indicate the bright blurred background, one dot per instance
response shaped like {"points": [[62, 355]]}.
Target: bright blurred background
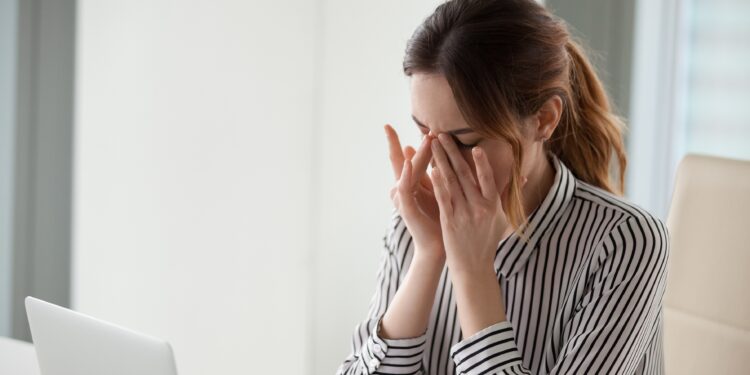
{"points": [[215, 172]]}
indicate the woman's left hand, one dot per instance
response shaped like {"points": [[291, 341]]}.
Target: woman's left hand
{"points": [[471, 214]]}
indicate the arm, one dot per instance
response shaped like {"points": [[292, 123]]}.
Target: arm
{"points": [[392, 337], [409, 312], [613, 321]]}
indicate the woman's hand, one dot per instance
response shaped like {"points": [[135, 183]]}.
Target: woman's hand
{"points": [[413, 195], [472, 218]]}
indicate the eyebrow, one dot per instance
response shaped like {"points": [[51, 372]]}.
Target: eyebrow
{"points": [[453, 132]]}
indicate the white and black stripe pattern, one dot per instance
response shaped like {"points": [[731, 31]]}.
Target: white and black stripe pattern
{"points": [[582, 296]]}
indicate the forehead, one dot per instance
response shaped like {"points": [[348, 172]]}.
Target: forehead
{"points": [[433, 104]]}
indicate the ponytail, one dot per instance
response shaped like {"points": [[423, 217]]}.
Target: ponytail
{"points": [[589, 133]]}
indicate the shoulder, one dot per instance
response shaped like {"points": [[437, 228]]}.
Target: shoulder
{"points": [[627, 211], [636, 232], [633, 252]]}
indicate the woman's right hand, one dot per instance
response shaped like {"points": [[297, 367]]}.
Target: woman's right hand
{"points": [[413, 196]]}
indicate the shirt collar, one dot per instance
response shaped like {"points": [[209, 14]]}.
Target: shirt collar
{"points": [[513, 252]]}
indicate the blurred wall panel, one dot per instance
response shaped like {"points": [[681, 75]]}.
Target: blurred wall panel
{"points": [[8, 23], [37, 45]]}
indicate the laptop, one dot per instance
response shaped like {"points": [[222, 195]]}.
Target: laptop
{"points": [[71, 343]]}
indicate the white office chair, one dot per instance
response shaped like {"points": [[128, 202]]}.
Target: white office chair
{"points": [[707, 301], [17, 358]]}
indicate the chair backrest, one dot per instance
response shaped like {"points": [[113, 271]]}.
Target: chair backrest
{"points": [[17, 357], [707, 302]]}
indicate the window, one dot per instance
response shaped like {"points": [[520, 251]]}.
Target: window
{"points": [[718, 79]]}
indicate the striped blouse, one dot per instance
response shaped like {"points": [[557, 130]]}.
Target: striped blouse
{"points": [[582, 296]]}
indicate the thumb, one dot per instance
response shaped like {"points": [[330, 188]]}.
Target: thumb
{"points": [[406, 195]]}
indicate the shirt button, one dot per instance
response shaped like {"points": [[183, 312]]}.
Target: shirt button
{"points": [[377, 348], [374, 363]]}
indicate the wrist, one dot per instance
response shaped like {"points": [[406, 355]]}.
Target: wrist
{"points": [[471, 273], [479, 299], [474, 276], [429, 255]]}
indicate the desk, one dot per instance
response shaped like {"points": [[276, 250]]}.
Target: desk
{"points": [[17, 357]]}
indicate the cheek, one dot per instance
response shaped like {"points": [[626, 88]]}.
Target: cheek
{"points": [[501, 162], [467, 155]]}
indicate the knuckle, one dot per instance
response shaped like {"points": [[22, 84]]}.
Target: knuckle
{"points": [[451, 179], [464, 172]]}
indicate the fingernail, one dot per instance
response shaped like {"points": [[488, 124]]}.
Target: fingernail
{"points": [[477, 151]]}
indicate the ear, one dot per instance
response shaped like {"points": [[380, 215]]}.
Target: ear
{"points": [[548, 117]]}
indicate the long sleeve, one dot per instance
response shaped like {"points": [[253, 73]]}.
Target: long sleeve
{"points": [[370, 353], [612, 322]]}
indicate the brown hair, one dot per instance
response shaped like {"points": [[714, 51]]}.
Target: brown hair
{"points": [[503, 60]]}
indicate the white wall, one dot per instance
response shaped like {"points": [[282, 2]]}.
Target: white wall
{"points": [[192, 173], [232, 173], [363, 88]]}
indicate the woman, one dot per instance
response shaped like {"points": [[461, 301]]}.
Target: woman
{"points": [[515, 255]]}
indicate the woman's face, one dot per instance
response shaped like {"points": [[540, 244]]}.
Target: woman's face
{"points": [[434, 109]]}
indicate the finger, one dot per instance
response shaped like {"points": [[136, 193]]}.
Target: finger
{"points": [[422, 158], [484, 174], [405, 190], [421, 172], [451, 184], [409, 152], [441, 194], [461, 168], [395, 153], [424, 179]]}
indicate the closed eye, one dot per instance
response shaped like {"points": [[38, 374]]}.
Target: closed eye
{"points": [[455, 139], [463, 145]]}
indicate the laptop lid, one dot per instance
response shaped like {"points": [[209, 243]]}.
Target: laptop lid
{"points": [[68, 343]]}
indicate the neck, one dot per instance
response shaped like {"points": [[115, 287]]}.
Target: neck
{"points": [[541, 178]]}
